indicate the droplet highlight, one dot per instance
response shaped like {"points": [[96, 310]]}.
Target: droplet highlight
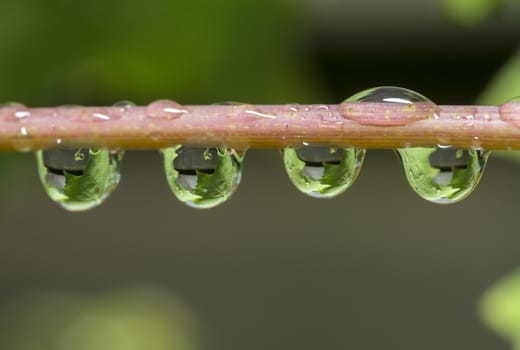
{"points": [[322, 172], [202, 177], [443, 175], [79, 179]]}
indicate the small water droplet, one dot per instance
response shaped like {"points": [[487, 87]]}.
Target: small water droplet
{"points": [[400, 106], [165, 109], [22, 141], [202, 177], [124, 105], [13, 111], [443, 175], [79, 178], [389, 94], [322, 172]]}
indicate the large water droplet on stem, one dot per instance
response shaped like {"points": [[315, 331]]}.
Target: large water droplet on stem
{"points": [[443, 175], [392, 106], [322, 172], [388, 94], [202, 177], [79, 178]]}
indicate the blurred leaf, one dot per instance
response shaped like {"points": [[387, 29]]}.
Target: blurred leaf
{"points": [[500, 307], [191, 51], [470, 12], [129, 319], [505, 85]]}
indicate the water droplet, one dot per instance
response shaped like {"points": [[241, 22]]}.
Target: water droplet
{"points": [[322, 172], [124, 105], [443, 175], [389, 94], [399, 106], [202, 177], [510, 111], [165, 109], [13, 111], [22, 142], [79, 178]]}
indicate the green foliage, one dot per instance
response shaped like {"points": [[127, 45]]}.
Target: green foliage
{"points": [[505, 85], [132, 319], [192, 51], [500, 307], [470, 12]]}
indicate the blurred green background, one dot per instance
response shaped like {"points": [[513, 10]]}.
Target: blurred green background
{"points": [[376, 267]]}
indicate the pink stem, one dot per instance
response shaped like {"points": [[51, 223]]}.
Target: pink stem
{"points": [[165, 123]]}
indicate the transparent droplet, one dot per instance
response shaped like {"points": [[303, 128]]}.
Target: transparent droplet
{"points": [[510, 111], [389, 94], [202, 177], [79, 178], [443, 175], [401, 107], [14, 111], [124, 105], [322, 172], [165, 109]]}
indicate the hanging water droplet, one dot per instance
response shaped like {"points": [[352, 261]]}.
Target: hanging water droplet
{"points": [[79, 178], [322, 172], [443, 175], [202, 177]]}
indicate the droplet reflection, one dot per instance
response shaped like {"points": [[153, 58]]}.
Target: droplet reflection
{"points": [[202, 177], [443, 176], [79, 179], [322, 172]]}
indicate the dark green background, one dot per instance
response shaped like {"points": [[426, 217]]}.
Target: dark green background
{"points": [[376, 267]]}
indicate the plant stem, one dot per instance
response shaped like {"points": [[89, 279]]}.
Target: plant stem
{"points": [[165, 123]]}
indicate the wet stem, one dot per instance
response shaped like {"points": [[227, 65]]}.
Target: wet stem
{"points": [[350, 124]]}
